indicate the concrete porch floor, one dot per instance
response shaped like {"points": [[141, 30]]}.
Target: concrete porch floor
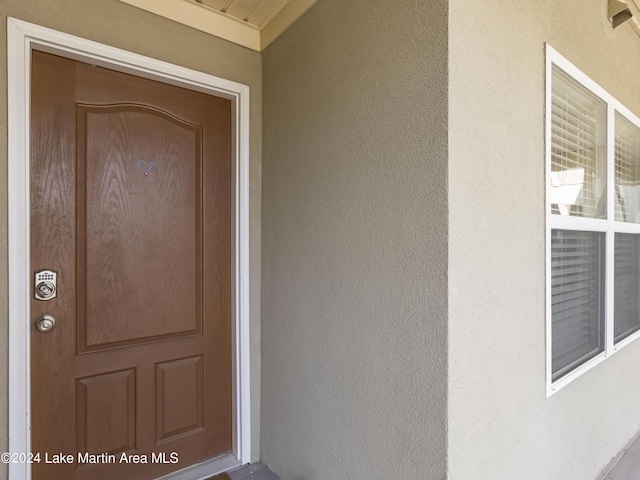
{"points": [[625, 465], [255, 471]]}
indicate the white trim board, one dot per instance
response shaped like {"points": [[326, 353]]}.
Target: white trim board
{"points": [[22, 37]]}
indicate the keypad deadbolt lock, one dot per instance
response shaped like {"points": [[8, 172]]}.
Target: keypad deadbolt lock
{"points": [[45, 285]]}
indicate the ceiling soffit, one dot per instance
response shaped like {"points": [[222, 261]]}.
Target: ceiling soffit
{"points": [[251, 23], [255, 13]]}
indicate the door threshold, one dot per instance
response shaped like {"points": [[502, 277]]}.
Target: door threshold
{"points": [[204, 470]]}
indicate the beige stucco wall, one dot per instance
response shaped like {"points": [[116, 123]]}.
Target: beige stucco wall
{"points": [[114, 23], [354, 251], [501, 426]]}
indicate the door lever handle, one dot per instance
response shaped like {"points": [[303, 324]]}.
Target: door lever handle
{"points": [[46, 323]]}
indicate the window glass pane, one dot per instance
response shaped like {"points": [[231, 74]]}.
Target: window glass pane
{"points": [[578, 149], [627, 263], [627, 179], [577, 292]]}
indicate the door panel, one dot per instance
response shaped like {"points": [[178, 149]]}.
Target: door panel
{"points": [[130, 194], [107, 400], [138, 209], [178, 397]]}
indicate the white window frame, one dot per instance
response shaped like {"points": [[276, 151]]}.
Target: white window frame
{"points": [[608, 226]]}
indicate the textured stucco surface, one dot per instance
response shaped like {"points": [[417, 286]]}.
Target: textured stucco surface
{"points": [[114, 23], [354, 243], [501, 426]]}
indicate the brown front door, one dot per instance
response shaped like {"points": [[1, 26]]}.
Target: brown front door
{"points": [[131, 208]]}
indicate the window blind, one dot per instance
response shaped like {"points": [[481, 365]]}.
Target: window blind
{"points": [[626, 285], [577, 306], [578, 136], [627, 181]]}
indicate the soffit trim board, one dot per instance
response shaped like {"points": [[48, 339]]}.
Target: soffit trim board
{"points": [[634, 7], [222, 25], [203, 19]]}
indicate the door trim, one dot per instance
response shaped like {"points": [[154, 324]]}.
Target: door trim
{"points": [[22, 37]]}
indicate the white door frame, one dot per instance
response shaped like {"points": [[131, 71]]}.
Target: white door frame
{"points": [[22, 37]]}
